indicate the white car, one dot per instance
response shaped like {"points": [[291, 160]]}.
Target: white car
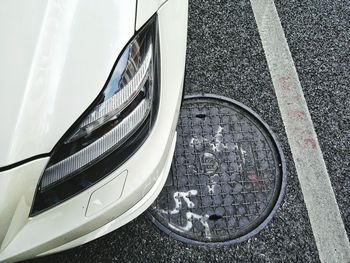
{"points": [[90, 93]]}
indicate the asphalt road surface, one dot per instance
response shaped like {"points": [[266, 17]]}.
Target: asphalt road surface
{"points": [[226, 56]]}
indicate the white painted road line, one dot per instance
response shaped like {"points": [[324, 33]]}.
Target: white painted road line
{"points": [[327, 225]]}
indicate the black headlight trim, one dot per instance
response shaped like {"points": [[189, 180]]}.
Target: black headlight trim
{"points": [[88, 176]]}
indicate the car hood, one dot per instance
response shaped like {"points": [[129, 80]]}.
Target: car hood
{"points": [[55, 59]]}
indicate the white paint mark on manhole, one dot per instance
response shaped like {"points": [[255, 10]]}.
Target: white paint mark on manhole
{"points": [[178, 197]]}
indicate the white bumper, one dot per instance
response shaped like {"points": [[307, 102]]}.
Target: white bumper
{"points": [[72, 223]]}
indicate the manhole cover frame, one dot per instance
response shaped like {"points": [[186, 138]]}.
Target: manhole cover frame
{"points": [[283, 170]]}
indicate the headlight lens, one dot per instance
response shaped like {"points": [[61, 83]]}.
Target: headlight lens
{"points": [[113, 127]]}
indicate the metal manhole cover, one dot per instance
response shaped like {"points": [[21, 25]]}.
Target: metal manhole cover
{"points": [[227, 176]]}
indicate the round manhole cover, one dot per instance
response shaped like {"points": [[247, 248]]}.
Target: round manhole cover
{"points": [[227, 176]]}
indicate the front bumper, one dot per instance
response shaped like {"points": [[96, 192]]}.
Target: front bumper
{"points": [[75, 222]]}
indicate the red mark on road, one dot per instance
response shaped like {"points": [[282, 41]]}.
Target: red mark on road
{"points": [[310, 142], [300, 115], [296, 98], [286, 83]]}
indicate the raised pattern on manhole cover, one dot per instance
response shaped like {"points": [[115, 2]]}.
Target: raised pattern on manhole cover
{"points": [[226, 177]]}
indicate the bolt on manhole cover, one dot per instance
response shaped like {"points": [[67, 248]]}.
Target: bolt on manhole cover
{"points": [[227, 176]]}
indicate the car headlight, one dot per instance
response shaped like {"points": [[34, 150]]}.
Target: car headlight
{"points": [[113, 127]]}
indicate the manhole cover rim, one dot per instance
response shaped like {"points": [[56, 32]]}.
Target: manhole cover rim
{"points": [[282, 190]]}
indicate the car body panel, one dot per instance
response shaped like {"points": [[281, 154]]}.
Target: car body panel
{"points": [[17, 187], [67, 224], [145, 9], [53, 54]]}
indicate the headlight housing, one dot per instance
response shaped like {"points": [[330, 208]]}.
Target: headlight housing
{"points": [[113, 127]]}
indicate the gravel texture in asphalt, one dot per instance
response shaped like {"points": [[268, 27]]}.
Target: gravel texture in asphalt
{"points": [[225, 57], [318, 34]]}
